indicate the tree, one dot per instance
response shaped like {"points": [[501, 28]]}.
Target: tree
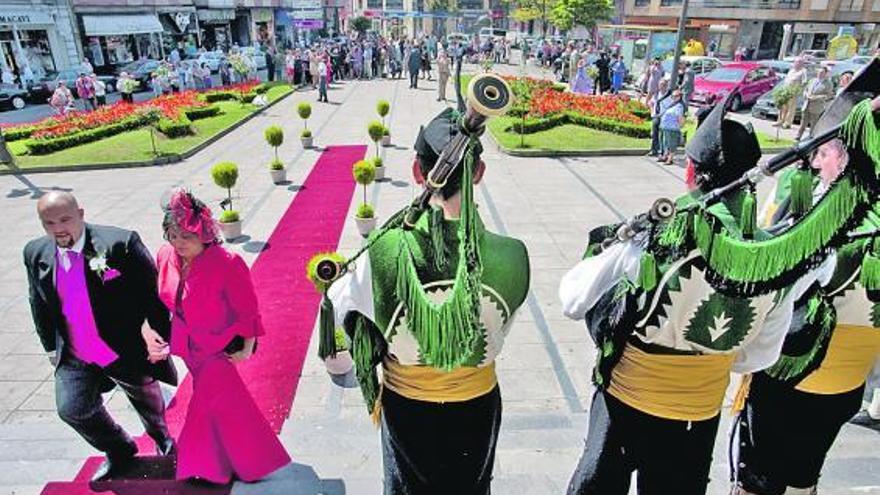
{"points": [[567, 14], [532, 10], [360, 24]]}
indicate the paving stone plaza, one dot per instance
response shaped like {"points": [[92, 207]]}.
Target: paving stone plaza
{"points": [[544, 370]]}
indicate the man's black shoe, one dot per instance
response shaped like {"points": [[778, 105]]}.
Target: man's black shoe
{"points": [[166, 447], [115, 464]]}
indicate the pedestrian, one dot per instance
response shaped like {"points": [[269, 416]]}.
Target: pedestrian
{"points": [[844, 81], [414, 65], [443, 73], [62, 99], [816, 94], [314, 72], [795, 81], [437, 369], [618, 74], [713, 46], [688, 78], [156, 85], [655, 75], [270, 63], [92, 289], [86, 67], [654, 105], [323, 77], [574, 56], [671, 121], [207, 80], [100, 91], [85, 89], [426, 64], [224, 436], [582, 83], [368, 61]]}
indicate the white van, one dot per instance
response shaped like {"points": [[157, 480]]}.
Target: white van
{"points": [[486, 33]]}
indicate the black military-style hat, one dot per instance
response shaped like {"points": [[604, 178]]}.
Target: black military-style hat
{"points": [[722, 149], [434, 137]]}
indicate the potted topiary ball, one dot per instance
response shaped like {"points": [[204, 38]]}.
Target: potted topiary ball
{"points": [[341, 364], [275, 137], [304, 110], [364, 174], [382, 108], [225, 175], [380, 167], [386, 137], [376, 130]]}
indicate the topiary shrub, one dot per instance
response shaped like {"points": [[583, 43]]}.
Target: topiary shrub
{"points": [[365, 211], [229, 216], [382, 108], [276, 164], [225, 175], [175, 128], [304, 110], [376, 130], [275, 137], [377, 162], [364, 173]]}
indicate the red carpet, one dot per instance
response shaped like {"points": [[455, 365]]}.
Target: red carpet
{"points": [[288, 301]]}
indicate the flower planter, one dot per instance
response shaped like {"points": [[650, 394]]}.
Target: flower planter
{"points": [[339, 365], [380, 173], [386, 140], [231, 230], [306, 141], [278, 176], [365, 225]]}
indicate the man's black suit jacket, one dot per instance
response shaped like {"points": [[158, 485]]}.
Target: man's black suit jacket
{"points": [[120, 305]]}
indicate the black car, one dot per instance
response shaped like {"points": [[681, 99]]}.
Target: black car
{"points": [[140, 70], [12, 97], [41, 90]]}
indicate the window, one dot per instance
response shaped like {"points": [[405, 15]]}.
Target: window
{"points": [[852, 5], [819, 4], [645, 3], [670, 3]]}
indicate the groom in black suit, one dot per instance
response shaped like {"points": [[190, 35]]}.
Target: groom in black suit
{"points": [[91, 289]]}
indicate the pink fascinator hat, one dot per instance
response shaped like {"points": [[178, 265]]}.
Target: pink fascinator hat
{"points": [[189, 214]]}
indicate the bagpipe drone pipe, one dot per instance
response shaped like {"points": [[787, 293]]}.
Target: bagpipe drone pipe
{"points": [[744, 266], [487, 95]]}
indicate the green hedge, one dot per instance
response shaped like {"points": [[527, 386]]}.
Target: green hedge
{"points": [[532, 126], [175, 128], [18, 133], [215, 96], [266, 86], [202, 112], [247, 97], [46, 146]]}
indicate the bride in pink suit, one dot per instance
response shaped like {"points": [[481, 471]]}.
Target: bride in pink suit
{"points": [[215, 323]]}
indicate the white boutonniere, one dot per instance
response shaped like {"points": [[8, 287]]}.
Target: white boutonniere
{"points": [[99, 265]]}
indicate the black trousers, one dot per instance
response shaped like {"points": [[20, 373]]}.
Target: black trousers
{"points": [[78, 388], [670, 457], [782, 436], [413, 79], [439, 449]]}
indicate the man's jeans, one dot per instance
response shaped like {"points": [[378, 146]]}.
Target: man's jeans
{"points": [[78, 388], [414, 79]]}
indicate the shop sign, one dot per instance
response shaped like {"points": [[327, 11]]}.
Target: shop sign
{"points": [[306, 14], [22, 17], [216, 15], [809, 27], [262, 15], [306, 4], [308, 24], [182, 19]]}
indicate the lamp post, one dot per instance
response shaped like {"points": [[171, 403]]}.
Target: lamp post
{"points": [[682, 21]]}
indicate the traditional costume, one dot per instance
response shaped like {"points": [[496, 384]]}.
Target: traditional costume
{"points": [[795, 409], [432, 305], [672, 312]]}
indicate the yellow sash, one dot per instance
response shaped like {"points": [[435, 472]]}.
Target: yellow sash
{"points": [[430, 384], [850, 357], [679, 387]]}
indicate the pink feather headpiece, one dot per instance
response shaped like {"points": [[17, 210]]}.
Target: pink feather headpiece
{"points": [[191, 215]]}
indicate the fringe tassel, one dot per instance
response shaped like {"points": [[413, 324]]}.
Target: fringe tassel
{"points": [[794, 368], [860, 131], [449, 334], [870, 275], [326, 329], [748, 218], [760, 262], [647, 272], [438, 243], [801, 192], [365, 356]]}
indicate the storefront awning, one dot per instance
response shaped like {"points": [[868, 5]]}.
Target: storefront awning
{"points": [[110, 25]]}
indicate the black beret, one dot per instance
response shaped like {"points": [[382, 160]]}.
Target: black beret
{"points": [[434, 137], [723, 149]]}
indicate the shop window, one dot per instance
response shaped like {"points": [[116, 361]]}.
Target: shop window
{"points": [[670, 3], [645, 3], [35, 53], [876, 7], [853, 5]]}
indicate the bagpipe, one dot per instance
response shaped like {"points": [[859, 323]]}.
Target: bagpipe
{"points": [[742, 265], [487, 95]]}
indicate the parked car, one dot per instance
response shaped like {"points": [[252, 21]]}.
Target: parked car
{"points": [[211, 60], [745, 82], [141, 70], [258, 56], [43, 89], [780, 67], [12, 97], [700, 64], [765, 107], [851, 65], [809, 55]]}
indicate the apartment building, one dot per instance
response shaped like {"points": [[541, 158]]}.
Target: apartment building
{"points": [[764, 24]]}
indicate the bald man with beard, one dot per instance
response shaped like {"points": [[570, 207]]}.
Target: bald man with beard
{"points": [[92, 288]]}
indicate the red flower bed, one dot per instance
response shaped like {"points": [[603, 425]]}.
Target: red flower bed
{"points": [[547, 102], [169, 106]]}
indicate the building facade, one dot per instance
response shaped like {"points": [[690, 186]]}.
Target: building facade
{"points": [[36, 37], [764, 25]]}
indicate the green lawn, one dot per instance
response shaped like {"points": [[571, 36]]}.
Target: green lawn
{"points": [[570, 137], [134, 146]]}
